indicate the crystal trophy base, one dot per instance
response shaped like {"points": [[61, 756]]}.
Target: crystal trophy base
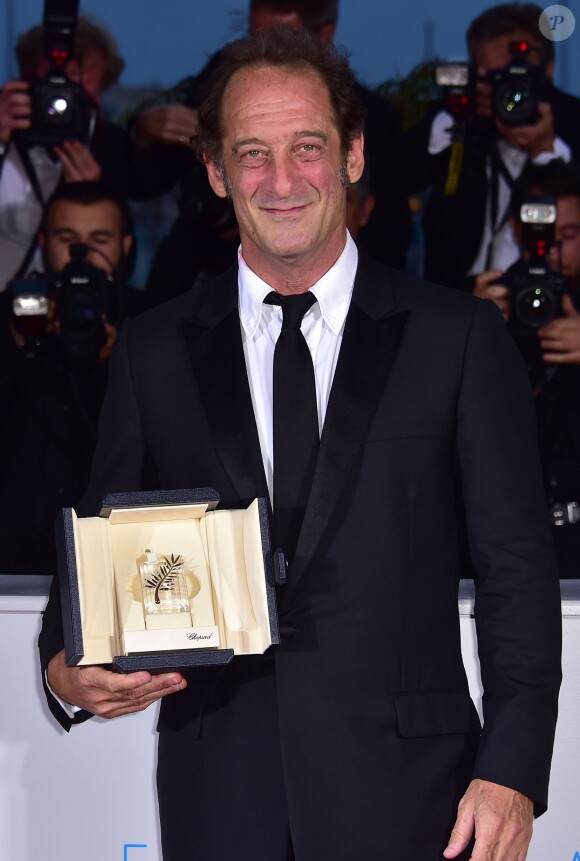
{"points": [[164, 582]]}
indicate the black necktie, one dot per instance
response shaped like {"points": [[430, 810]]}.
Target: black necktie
{"points": [[296, 436]]}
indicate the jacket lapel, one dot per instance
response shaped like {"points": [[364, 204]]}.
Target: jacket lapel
{"points": [[214, 342], [371, 338]]}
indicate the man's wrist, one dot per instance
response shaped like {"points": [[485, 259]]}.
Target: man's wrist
{"points": [[68, 708]]}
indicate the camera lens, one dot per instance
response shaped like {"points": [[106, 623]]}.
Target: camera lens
{"points": [[57, 107], [535, 306], [515, 103]]}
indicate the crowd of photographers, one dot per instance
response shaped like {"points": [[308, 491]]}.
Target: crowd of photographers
{"points": [[495, 159]]}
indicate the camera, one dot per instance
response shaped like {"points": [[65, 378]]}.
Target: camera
{"points": [[457, 82], [536, 289], [75, 303], [516, 89], [60, 108]]}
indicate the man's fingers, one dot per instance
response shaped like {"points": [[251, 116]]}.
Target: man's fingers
{"points": [[15, 86], [109, 694], [126, 682], [136, 703], [79, 164]]}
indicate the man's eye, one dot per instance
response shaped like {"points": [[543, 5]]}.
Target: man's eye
{"points": [[253, 155], [308, 150]]}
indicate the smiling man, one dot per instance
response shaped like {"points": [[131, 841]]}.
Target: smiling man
{"points": [[356, 736]]}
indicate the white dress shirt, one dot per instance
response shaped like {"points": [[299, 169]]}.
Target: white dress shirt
{"points": [[322, 327], [505, 250]]}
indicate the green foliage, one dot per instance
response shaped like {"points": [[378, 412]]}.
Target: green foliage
{"points": [[411, 94]]}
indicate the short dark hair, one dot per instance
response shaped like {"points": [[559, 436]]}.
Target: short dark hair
{"points": [[555, 179], [508, 18], [314, 14], [294, 48], [89, 36], [87, 194]]}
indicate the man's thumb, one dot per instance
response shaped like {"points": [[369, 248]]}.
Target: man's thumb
{"points": [[461, 834]]}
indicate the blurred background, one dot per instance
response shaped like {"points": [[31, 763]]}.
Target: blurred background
{"points": [[164, 41]]}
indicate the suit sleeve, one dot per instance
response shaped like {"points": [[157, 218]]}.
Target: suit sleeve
{"points": [[517, 609]]}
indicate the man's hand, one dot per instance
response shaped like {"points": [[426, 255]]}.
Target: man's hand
{"points": [[78, 162], [486, 287], [14, 109], [172, 125], [502, 818], [534, 139], [560, 339], [109, 694]]}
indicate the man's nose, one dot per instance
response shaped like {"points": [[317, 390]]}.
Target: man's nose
{"points": [[73, 71], [283, 176]]}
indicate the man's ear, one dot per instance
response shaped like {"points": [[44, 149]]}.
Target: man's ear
{"points": [[216, 179], [326, 33], [127, 244], [355, 160], [550, 69]]}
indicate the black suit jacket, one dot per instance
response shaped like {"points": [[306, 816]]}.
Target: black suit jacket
{"points": [[358, 730]]}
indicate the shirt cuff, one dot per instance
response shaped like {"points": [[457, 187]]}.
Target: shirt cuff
{"points": [[69, 709], [441, 128], [561, 150]]}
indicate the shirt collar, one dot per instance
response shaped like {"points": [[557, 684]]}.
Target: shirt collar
{"points": [[333, 291]]}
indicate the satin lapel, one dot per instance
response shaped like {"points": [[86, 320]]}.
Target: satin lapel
{"points": [[215, 346], [371, 338]]}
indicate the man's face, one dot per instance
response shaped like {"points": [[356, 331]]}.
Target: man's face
{"points": [[494, 54], [88, 71], [282, 166], [98, 225], [566, 254]]}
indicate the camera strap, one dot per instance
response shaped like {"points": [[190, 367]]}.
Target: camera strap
{"points": [[24, 156], [32, 177], [455, 163]]}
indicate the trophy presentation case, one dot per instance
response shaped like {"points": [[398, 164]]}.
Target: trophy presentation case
{"points": [[165, 580]]}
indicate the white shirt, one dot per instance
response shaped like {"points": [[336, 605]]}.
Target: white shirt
{"points": [[322, 327], [20, 209], [505, 250]]}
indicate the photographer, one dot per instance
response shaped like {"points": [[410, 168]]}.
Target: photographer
{"points": [[551, 349], [471, 161], [30, 171], [54, 368]]}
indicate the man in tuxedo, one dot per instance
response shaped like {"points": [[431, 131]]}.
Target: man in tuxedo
{"points": [[356, 737]]}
